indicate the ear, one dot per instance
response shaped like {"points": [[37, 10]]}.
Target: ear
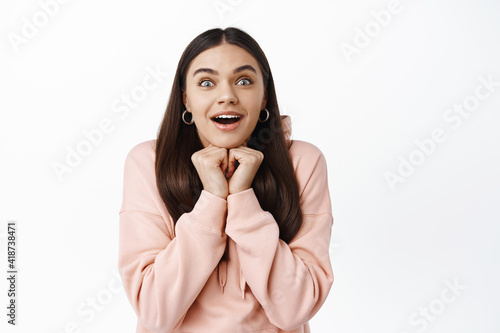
{"points": [[264, 100], [184, 99]]}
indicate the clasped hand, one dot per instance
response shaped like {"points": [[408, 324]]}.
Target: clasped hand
{"points": [[219, 173]]}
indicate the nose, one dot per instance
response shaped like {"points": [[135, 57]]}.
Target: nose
{"points": [[227, 94]]}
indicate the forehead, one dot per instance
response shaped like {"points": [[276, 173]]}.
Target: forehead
{"points": [[224, 57]]}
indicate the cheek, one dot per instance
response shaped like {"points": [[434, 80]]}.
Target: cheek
{"points": [[199, 105], [252, 104]]}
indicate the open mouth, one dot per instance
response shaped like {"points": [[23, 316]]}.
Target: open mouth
{"points": [[226, 119]]}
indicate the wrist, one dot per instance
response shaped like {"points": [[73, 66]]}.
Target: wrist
{"points": [[220, 193], [210, 211], [238, 190]]}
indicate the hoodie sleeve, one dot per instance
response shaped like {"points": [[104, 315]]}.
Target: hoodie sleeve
{"points": [[162, 275], [290, 281]]}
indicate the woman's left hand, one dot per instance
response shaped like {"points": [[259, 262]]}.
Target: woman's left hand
{"points": [[249, 162]]}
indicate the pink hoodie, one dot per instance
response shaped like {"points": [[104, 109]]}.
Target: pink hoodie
{"points": [[172, 275]]}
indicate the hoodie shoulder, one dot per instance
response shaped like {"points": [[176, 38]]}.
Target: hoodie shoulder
{"points": [[309, 164], [139, 180], [302, 149], [142, 151]]}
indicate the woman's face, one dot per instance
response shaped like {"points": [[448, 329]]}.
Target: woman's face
{"points": [[225, 94]]}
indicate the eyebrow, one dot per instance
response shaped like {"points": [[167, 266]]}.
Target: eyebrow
{"points": [[214, 72]]}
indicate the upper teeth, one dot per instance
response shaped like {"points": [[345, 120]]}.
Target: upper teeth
{"points": [[227, 116]]}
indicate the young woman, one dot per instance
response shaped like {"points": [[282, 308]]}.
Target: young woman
{"points": [[225, 222]]}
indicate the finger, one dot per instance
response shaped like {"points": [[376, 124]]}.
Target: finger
{"points": [[245, 155], [232, 161], [237, 154], [222, 158]]}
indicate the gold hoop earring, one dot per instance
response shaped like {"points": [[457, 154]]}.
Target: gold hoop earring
{"points": [[267, 116], [184, 118]]}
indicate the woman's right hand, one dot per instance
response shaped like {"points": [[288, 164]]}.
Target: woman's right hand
{"points": [[211, 164]]}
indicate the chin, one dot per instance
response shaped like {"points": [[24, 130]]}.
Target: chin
{"points": [[228, 144]]}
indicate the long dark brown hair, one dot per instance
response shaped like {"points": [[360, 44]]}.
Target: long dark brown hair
{"points": [[179, 185]]}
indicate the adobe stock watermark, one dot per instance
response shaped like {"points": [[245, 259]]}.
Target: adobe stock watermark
{"points": [[454, 116], [121, 107], [89, 309], [371, 30], [429, 313], [31, 27], [223, 6]]}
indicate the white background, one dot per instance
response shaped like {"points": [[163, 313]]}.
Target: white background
{"points": [[395, 251]]}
